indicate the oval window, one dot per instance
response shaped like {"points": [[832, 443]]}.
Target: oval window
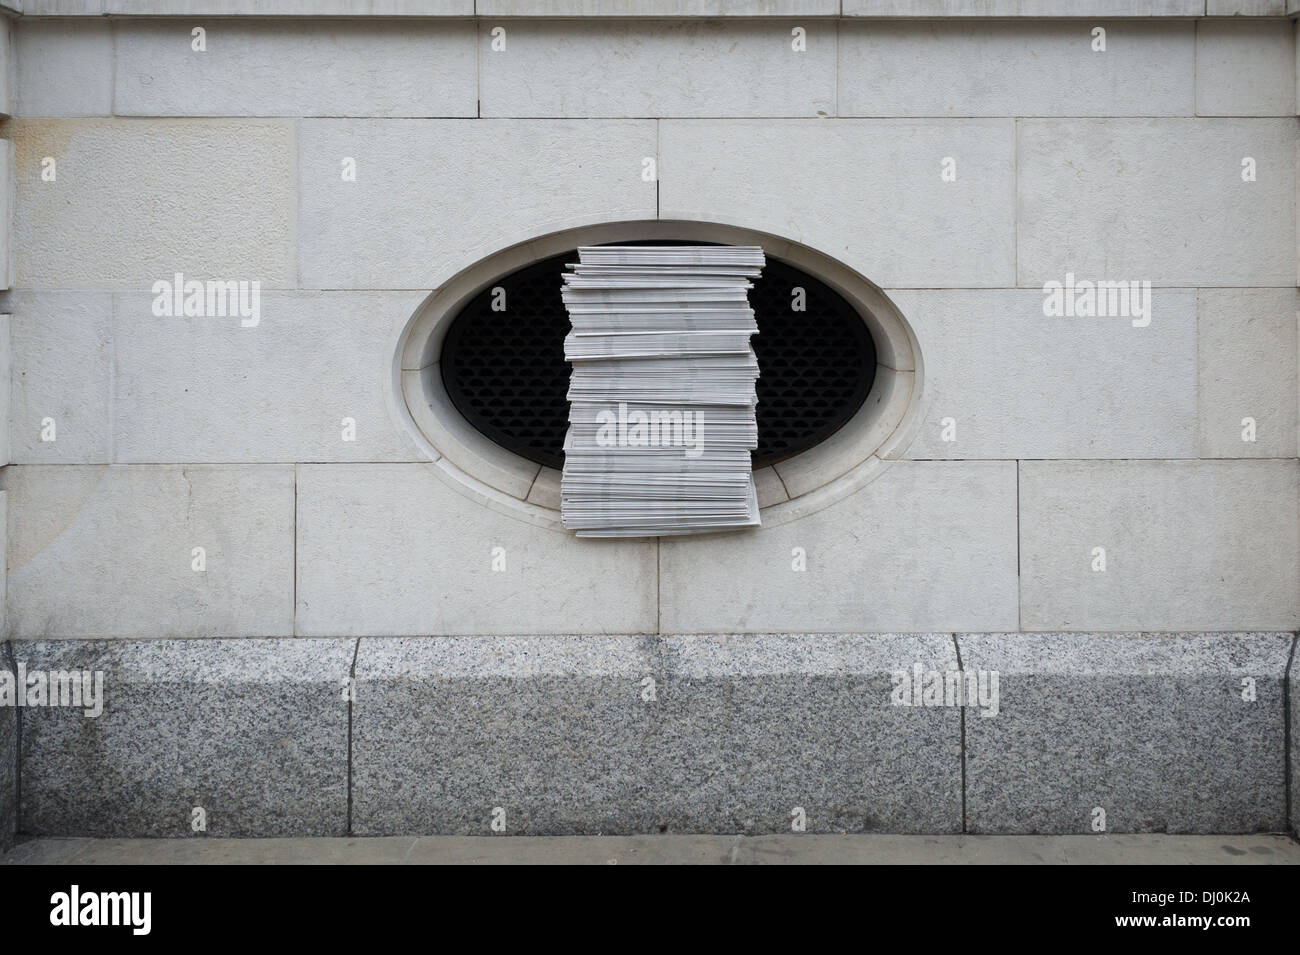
{"points": [[503, 366]]}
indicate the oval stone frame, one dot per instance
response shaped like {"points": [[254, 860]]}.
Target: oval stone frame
{"points": [[850, 458]]}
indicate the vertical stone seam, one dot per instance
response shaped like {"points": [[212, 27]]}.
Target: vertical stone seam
{"points": [[961, 745], [659, 664], [352, 695], [112, 67], [10, 263], [11, 67], [659, 585], [1196, 66], [114, 304], [1015, 201], [293, 612], [295, 199], [1199, 443], [1020, 590], [836, 108]]}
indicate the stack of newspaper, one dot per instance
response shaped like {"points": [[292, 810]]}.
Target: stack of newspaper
{"points": [[661, 399]]}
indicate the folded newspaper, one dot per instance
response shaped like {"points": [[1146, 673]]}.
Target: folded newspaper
{"points": [[661, 398]]}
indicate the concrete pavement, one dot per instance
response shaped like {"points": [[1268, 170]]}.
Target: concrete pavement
{"points": [[674, 849]]}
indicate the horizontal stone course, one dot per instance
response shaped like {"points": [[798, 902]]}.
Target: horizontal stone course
{"points": [[921, 547], [296, 68], [432, 197], [280, 8], [279, 387], [961, 68], [311, 381], [658, 68], [1185, 545], [893, 219], [1027, 8], [1246, 8], [1016, 383], [573, 734], [1245, 68], [1247, 361], [61, 347], [64, 67], [217, 203], [1157, 200], [100, 551], [394, 549], [654, 8]]}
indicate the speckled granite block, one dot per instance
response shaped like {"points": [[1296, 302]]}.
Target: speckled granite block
{"points": [[567, 735], [558, 732], [1152, 728], [754, 726], [254, 731], [8, 762], [550, 729], [1293, 732]]}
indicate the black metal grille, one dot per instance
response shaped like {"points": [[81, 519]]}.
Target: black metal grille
{"points": [[505, 371]]}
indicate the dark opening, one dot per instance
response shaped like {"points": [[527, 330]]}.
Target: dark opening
{"points": [[505, 371]]}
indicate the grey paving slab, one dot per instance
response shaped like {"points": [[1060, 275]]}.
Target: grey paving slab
{"points": [[670, 849]]}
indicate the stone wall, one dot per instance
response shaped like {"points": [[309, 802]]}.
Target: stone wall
{"points": [[1071, 434], [959, 163]]}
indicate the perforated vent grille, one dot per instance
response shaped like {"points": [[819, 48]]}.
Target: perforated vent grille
{"points": [[505, 370]]}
